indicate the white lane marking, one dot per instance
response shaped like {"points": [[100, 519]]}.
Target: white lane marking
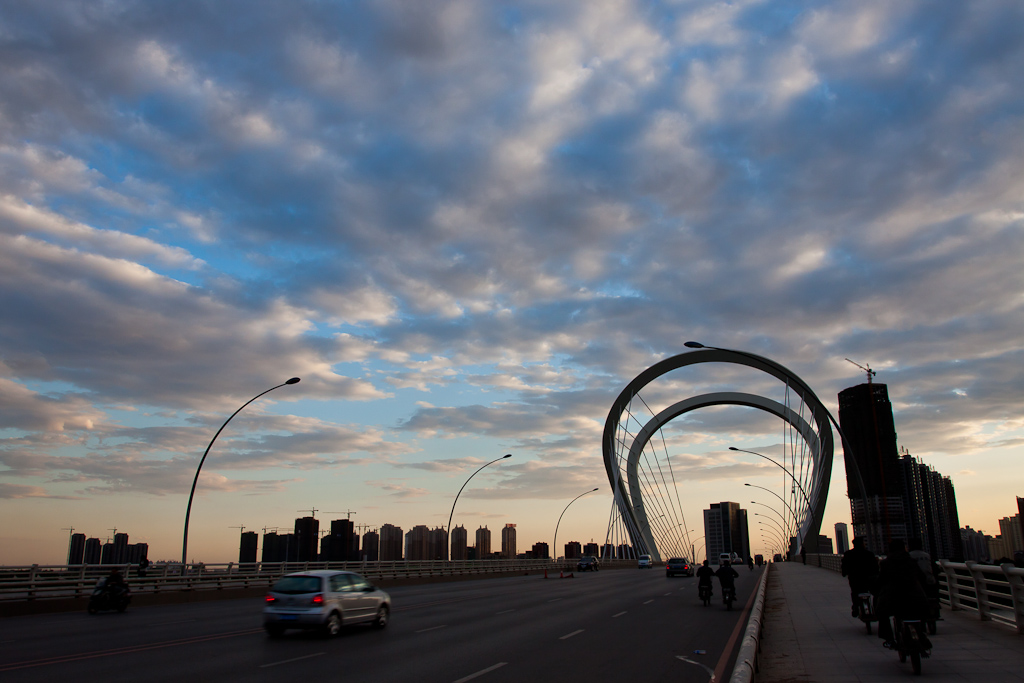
{"points": [[649, 602], [668, 594], [570, 635], [289, 661], [506, 611], [481, 672], [432, 628], [618, 615], [709, 670], [554, 599]]}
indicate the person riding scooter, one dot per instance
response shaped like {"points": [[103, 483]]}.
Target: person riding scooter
{"points": [[727, 577], [705, 579]]}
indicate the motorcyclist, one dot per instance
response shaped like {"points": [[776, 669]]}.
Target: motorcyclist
{"points": [[115, 584], [860, 566], [900, 592], [727, 577], [705, 577]]}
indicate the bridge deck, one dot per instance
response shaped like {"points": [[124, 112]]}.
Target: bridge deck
{"points": [[810, 636]]}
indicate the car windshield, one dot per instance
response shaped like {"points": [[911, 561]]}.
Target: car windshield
{"points": [[297, 584]]}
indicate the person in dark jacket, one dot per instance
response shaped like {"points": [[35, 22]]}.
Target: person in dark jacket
{"points": [[900, 590], [706, 576], [860, 567], [727, 577]]}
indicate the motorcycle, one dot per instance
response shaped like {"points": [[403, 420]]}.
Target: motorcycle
{"points": [[728, 596], [704, 591], [105, 598]]}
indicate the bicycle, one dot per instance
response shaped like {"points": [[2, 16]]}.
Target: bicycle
{"points": [[911, 642], [728, 595], [704, 591], [865, 612]]}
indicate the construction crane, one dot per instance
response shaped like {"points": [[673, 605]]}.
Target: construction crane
{"points": [[312, 512], [240, 528], [866, 368], [348, 513]]}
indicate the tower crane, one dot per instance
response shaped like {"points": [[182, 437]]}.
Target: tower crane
{"points": [[866, 368]]}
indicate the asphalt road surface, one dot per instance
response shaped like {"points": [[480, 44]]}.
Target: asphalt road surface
{"points": [[599, 626]]}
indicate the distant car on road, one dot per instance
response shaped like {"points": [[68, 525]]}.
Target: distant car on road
{"points": [[325, 600], [588, 563], [645, 562], [678, 566]]}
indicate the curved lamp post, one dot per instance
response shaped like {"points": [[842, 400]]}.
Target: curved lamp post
{"points": [[791, 511], [554, 541], [771, 530], [847, 448], [448, 530], [188, 510], [798, 485], [785, 522]]}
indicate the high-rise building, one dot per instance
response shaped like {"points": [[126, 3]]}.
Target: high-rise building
{"points": [[247, 547], [437, 544], [76, 549], [483, 543], [417, 543], [725, 530], [865, 416], [975, 545], [1009, 528], [119, 549], [137, 552], [460, 543], [307, 539], [573, 550], [591, 549], [342, 544], [270, 547], [508, 542], [391, 543], [842, 538], [540, 551], [371, 546], [93, 551]]}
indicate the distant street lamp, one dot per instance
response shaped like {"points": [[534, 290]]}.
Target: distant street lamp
{"points": [[448, 530], [795, 482], [554, 541], [765, 527], [785, 522], [791, 511], [188, 510]]}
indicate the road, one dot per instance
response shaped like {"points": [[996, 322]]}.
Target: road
{"points": [[610, 625]]}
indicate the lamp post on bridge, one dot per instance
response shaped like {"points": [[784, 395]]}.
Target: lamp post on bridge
{"points": [[791, 511], [188, 509], [554, 541], [448, 530]]}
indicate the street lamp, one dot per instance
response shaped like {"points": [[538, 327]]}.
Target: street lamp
{"points": [[448, 530], [188, 510], [785, 522], [791, 511], [847, 448], [797, 483], [772, 531], [782, 530], [554, 541]]}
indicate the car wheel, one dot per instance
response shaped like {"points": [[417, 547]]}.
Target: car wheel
{"points": [[382, 617], [332, 626], [274, 631]]}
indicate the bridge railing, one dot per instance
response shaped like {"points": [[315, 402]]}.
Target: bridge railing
{"points": [[40, 582], [995, 592]]}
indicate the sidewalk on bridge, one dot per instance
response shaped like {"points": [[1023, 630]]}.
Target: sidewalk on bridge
{"points": [[809, 635]]}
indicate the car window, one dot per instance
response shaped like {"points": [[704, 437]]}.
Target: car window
{"points": [[359, 583], [341, 583], [297, 584]]}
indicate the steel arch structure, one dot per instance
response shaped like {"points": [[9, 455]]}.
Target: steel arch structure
{"points": [[622, 449]]}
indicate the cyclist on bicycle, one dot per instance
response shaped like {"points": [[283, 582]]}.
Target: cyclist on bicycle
{"points": [[727, 577], [860, 566], [900, 592]]}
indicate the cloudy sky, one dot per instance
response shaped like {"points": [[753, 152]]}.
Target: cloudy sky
{"points": [[466, 226]]}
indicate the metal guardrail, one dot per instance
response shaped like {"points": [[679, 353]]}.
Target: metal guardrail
{"points": [[41, 582], [746, 660], [996, 593]]}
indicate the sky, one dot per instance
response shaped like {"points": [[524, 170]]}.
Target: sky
{"points": [[467, 226]]}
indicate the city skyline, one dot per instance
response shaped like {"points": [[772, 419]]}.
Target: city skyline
{"points": [[466, 227]]}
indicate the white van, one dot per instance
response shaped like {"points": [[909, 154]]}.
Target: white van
{"points": [[724, 557], [645, 562]]}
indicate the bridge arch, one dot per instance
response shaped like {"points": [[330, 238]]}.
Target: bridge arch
{"points": [[622, 448]]}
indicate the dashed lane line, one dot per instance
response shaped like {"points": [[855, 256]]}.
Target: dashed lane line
{"points": [[481, 672], [618, 615], [570, 635], [432, 628], [293, 659]]}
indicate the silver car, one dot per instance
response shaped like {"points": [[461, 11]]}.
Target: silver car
{"points": [[326, 600]]}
